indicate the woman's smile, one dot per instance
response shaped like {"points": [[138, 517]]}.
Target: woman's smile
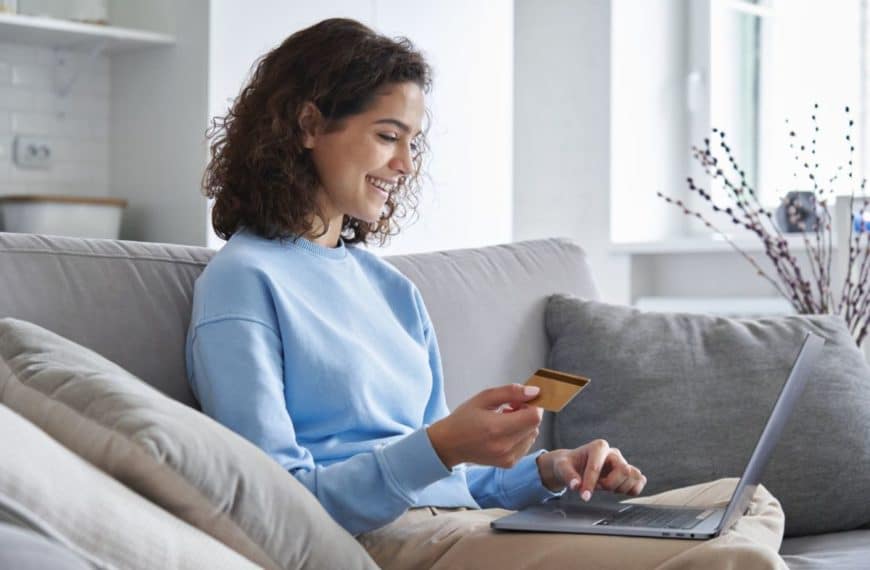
{"points": [[381, 186]]}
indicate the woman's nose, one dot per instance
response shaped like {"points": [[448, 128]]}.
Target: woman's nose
{"points": [[402, 161]]}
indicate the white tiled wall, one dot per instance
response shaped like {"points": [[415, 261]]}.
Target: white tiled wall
{"points": [[75, 125]]}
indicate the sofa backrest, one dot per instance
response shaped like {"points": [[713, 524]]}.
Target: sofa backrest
{"points": [[487, 306], [130, 302]]}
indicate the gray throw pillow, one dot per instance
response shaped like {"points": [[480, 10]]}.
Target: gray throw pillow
{"points": [[685, 397], [173, 455]]}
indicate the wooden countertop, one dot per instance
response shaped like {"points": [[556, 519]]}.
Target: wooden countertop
{"points": [[64, 199]]}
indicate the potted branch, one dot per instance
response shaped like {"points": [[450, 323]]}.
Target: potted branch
{"points": [[809, 213]]}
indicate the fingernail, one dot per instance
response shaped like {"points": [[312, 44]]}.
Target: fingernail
{"points": [[574, 484], [586, 496], [531, 390]]}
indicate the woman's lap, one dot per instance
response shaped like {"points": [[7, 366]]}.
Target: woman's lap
{"points": [[450, 538]]}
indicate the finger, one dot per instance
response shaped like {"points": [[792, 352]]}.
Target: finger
{"points": [[597, 452], [617, 478], [520, 448], [616, 471], [513, 407], [492, 398], [565, 472], [638, 489], [630, 482], [519, 421]]}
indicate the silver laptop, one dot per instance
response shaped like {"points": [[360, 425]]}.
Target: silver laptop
{"points": [[625, 519]]}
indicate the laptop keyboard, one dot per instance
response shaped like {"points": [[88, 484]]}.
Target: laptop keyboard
{"points": [[638, 516]]}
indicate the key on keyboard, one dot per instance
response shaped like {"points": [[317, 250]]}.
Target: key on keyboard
{"points": [[652, 518]]}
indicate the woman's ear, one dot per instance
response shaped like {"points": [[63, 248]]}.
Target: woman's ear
{"points": [[310, 121]]}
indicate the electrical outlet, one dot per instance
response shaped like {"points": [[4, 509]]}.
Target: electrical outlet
{"points": [[32, 152]]}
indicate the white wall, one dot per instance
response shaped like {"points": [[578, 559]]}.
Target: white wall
{"points": [[242, 32], [721, 274], [159, 111], [562, 135], [75, 125], [648, 117], [467, 200]]}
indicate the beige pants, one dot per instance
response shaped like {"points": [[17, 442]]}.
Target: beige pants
{"points": [[458, 538]]}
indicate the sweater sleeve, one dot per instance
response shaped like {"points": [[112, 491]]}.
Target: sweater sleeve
{"points": [[235, 366], [512, 488]]}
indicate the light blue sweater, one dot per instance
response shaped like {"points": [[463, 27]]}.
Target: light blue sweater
{"points": [[326, 359]]}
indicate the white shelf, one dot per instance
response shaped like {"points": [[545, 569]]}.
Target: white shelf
{"points": [[691, 244], [18, 28]]}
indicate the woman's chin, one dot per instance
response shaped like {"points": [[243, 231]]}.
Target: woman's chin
{"points": [[370, 213], [369, 217]]}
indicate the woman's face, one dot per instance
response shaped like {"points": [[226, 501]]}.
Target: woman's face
{"points": [[362, 162]]}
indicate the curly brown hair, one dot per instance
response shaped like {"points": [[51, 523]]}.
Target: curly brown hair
{"points": [[260, 175]]}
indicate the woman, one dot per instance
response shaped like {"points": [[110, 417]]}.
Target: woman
{"points": [[324, 355]]}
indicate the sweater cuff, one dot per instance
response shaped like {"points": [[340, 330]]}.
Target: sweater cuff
{"points": [[522, 483], [411, 463]]}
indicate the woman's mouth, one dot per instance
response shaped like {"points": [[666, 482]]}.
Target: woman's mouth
{"points": [[384, 187]]}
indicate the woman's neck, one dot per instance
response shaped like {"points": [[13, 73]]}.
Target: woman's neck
{"points": [[330, 238]]}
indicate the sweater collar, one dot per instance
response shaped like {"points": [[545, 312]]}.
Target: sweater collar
{"points": [[299, 242], [338, 252]]}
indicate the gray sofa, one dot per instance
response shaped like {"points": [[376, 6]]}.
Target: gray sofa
{"points": [[131, 302]]}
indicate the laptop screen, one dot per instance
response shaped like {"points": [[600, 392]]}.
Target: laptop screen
{"points": [[782, 409]]}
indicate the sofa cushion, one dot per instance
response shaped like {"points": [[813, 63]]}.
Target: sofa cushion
{"points": [[87, 519], [26, 550], [685, 398], [171, 454], [843, 550]]}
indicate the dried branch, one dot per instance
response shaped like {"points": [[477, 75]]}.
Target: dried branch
{"points": [[808, 295]]}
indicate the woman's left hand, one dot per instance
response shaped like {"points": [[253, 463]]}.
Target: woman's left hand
{"points": [[594, 465]]}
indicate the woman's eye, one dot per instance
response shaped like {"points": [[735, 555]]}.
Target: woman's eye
{"points": [[389, 138]]}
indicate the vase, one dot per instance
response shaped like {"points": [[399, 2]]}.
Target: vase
{"points": [[805, 203]]}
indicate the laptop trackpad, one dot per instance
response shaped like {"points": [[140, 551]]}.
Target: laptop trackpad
{"points": [[590, 514]]}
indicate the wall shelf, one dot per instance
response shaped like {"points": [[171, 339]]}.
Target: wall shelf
{"points": [[55, 33]]}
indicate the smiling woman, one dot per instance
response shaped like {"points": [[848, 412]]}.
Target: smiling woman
{"points": [[324, 355], [366, 159], [331, 106]]}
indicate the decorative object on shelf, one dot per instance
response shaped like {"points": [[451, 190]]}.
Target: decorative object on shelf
{"points": [[76, 216], [797, 212], [86, 11], [43, 8], [91, 12], [810, 215]]}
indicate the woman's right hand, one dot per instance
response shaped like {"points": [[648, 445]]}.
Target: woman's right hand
{"points": [[480, 431]]}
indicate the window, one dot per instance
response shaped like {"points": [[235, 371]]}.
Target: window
{"points": [[756, 64]]}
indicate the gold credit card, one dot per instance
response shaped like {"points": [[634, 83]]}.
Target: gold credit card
{"points": [[557, 388]]}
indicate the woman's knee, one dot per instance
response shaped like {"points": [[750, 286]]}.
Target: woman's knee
{"points": [[752, 557]]}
